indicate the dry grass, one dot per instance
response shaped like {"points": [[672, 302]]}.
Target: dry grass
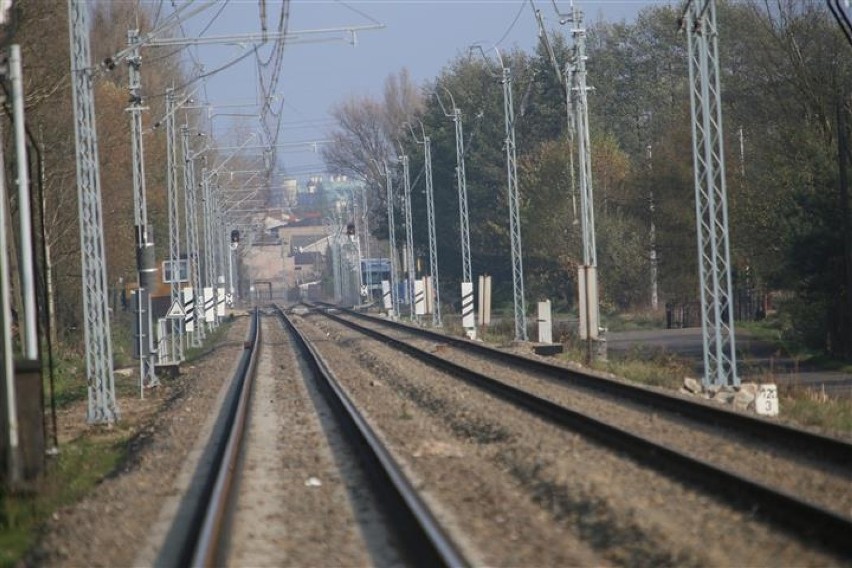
{"points": [[815, 408]]}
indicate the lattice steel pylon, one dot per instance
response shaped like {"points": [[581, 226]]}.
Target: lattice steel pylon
{"points": [[711, 207], [433, 245], [461, 181], [365, 226], [461, 184], [392, 241], [219, 232], [102, 406], [514, 213], [176, 324], [409, 234], [189, 189], [145, 264], [512, 184], [207, 234], [430, 221]]}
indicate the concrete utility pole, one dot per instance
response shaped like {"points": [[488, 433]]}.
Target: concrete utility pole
{"points": [[102, 407], [514, 213], [409, 234], [430, 220], [578, 89], [27, 323], [13, 457], [145, 263], [468, 310], [711, 204], [573, 82]]}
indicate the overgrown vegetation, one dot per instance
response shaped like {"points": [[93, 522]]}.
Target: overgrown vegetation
{"points": [[80, 465], [810, 408]]}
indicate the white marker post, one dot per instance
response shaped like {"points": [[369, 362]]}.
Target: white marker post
{"points": [[419, 298], [766, 403], [545, 323], [468, 315]]}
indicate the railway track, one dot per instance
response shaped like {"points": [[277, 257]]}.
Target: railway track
{"points": [[206, 538], [828, 522], [426, 542], [196, 537]]}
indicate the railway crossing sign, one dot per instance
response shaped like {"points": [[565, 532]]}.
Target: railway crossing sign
{"points": [[176, 311]]}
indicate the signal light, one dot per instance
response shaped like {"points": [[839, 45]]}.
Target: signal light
{"points": [[235, 236]]}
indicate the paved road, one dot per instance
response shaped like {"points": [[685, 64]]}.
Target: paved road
{"points": [[757, 360]]}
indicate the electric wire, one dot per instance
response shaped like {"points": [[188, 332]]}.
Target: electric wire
{"points": [[275, 60], [157, 14], [202, 76], [512, 25], [200, 34], [359, 12]]}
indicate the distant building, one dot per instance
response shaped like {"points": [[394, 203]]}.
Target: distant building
{"points": [[340, 188], [290, 192]]}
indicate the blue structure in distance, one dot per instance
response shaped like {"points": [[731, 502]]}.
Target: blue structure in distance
{"points": [[373, 271]]}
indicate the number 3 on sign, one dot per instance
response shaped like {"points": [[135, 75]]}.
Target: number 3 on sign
{"points": [[767, 400]]}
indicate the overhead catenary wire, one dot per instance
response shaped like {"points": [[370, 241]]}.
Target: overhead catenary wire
{"points": [[202, 76], [200, 34], [512, 25]]}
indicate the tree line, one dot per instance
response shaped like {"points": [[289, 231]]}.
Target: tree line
{"points": [[40, 27], [786, 76]]}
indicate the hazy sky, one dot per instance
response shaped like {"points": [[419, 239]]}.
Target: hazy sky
{"points": [[420, 35]]}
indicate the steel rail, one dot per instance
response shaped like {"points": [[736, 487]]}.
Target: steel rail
{"points": [[783, 509], [205, 544], [426, 541], [824, 448]]}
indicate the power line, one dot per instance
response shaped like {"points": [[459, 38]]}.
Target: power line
{"points": [[357, 11], [512, 25]]}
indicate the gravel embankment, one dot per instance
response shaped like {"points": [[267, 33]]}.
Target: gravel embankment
{"points": [[527, 493], [825, 485], [517, 491], [110, 527]]}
